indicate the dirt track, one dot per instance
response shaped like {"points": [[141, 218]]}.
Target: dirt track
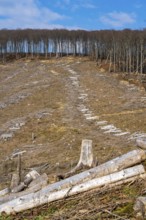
{"points": [[48, 107]]}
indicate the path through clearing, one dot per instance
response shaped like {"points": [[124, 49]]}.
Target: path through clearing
{"points": [[48, 107]]}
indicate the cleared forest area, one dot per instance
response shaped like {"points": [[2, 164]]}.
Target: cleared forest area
{"points": [[49, 106]]}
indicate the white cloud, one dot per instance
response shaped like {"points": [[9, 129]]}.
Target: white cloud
{"points": [[27, 14], [118, 19], [89, 5], [75, 5], [63, 4]]}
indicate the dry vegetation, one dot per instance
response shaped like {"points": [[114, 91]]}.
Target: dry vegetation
{"points": [[45, 99]]}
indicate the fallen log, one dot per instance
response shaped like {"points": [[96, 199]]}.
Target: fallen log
{"points": [[43, 196], [119, 163], [42, 179], [141, 143], [140, 207], [4, 191], [33, 187], [32, 175]]}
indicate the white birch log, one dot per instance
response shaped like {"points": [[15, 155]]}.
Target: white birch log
{"points": [[131, 179], [41, 179], [127, 160], [32, 175], [119, 163], [34, 186], [43, 196], [4, 191]]}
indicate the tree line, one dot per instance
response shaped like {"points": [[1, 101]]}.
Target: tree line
{"points": [[122, 51]]}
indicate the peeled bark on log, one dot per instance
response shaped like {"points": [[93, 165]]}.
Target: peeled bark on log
{"points": [[141, 143], [43, 196], [127, 160]]}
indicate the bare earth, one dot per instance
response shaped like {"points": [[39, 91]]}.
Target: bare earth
{"points": [[48, 106]]}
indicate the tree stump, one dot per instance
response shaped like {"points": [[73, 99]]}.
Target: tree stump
{"points": [[86, 156], [86, 159]]}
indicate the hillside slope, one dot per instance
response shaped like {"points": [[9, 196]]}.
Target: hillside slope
{"points": [[48, 106]]}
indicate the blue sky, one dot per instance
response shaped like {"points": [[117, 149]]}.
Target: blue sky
{"points": [[73, 14]]}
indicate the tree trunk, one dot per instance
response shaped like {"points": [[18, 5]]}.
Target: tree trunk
{"points": [[141, 58], [43, 196]]}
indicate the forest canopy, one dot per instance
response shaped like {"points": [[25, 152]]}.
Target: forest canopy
{"points": [[124, 50]]}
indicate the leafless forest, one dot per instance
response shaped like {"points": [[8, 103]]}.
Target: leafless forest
{"points": [[123, 50]]}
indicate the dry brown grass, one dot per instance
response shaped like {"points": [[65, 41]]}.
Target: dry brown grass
{"points": [[59, 132]]}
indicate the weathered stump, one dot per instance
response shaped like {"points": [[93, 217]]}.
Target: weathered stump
{"points": [[86, 159]]}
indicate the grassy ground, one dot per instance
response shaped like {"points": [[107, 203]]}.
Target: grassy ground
{"points": [[50, 113]]}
